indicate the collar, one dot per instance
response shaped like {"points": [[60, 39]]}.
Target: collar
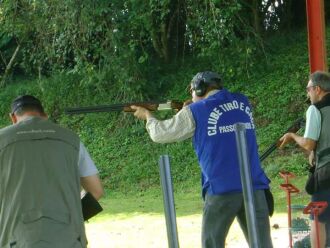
{"points": [[325, 101], [212, 92], [27, 118]]}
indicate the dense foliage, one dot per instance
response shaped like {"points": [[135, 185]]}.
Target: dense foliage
{"points": [[128, 37], [81, 53]]}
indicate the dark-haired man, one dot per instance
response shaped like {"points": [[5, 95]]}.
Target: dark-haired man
{"points": [[210, 121], [316, 141], [43, 167]]}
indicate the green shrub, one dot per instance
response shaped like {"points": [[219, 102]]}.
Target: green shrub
{"points": [[119, 144]]}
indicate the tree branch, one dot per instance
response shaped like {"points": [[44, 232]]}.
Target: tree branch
{"points": [[9, 66]]}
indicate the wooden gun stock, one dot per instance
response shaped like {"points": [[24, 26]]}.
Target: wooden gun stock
{"points": [[292, 129], [126, 107]]}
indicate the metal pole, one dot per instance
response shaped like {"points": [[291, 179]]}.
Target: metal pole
{"points": [[288, 197], [317, 230], [169, 206], [246, 185]]}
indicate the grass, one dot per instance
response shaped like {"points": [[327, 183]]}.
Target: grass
{"points": [[136, 219]]}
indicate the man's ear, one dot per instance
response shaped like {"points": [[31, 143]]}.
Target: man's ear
{"points": [[319, 89], [13, 118]]}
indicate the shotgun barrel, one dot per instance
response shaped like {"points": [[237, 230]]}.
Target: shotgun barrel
{"points": [[293, 129], [126, 107]]}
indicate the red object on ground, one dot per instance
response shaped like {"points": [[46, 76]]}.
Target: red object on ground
{"points": [[316, 208], [286, 175], [289, 189]]}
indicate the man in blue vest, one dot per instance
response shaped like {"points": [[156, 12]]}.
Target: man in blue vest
{"points": [[210, 120], [316, 141], [43, 167]]}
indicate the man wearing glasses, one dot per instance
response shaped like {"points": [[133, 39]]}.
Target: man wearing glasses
{"points": [[316, 141]]}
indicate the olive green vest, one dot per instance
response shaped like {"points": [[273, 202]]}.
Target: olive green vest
{"points": [[323, 144], [40, 186]]}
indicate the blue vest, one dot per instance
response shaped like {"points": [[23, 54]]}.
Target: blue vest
{"points": [[215, 143]]}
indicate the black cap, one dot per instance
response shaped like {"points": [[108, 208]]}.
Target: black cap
{"points": [[209, 77], [26, 101]]}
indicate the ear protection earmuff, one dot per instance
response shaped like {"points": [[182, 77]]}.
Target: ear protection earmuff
{"points": [[200, 87], [203, 80]]}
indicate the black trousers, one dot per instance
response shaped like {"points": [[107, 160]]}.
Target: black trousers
{"points": [[220, 212]]}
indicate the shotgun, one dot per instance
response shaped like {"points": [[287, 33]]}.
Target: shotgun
{"points": [[299, 123], [126, 107]]}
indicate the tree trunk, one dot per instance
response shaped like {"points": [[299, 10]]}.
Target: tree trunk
{"points": [[168, 36], [256, 18]]}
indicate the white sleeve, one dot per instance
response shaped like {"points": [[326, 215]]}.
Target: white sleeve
{"points": [[180, 127], [86, 165], [313, 123]]}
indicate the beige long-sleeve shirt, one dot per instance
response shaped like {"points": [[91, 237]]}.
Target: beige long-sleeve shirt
{"points": [[180, 127]]}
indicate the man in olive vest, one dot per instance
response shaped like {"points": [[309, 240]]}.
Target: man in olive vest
{"points": [[316, 141], [42, 169]]}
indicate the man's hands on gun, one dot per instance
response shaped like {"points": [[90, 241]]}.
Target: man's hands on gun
{"points": [[141, 112], [285, 139], [305, 143]]}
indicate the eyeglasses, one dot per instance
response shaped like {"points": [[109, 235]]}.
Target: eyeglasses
{"points": [[308, 88]]}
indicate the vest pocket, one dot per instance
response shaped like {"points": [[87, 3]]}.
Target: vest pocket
{"points": [[12, 244], [35, 215], [52, 227]]}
